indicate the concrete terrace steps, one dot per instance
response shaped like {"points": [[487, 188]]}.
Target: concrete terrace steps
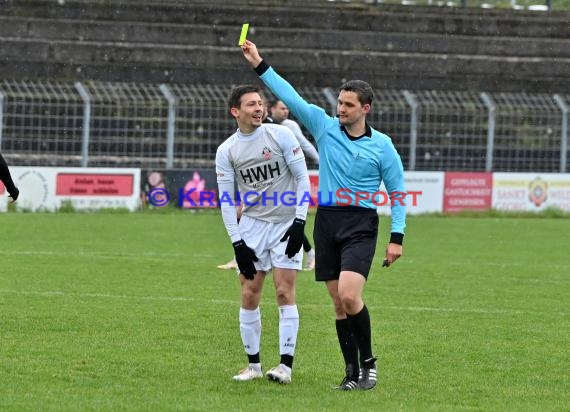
{"points": [[189, 43], [445, 20], [164, 34], [67, 51], [183, 64], [251, 5]]}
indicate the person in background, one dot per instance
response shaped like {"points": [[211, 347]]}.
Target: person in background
{"points": [[279, 113], [6, 178]]}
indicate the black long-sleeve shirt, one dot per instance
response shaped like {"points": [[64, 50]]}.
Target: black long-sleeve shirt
{"points": [[6, 178]]}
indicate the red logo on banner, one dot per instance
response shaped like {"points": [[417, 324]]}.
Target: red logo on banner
{"points": [[85, 184], [467, 191]]}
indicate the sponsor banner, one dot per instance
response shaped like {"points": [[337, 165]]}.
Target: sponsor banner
{"points": [[194, 188], [48, 188], [37, 188], [197, 188], [425, 193], [472, 191], [89, 184], [531, 191]]}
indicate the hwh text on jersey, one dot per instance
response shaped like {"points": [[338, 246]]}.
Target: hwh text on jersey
{"points": [[259, 173]]}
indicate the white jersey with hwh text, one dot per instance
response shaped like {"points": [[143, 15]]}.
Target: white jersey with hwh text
{"points": [[264, 165]]}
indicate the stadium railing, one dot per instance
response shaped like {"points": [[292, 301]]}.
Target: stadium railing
{"points": [[178, 126]]}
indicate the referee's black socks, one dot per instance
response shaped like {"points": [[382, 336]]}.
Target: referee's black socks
{"points": [[348, 346], [360, 324]]}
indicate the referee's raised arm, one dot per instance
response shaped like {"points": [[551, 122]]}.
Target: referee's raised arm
{"points": [[314, 118]]}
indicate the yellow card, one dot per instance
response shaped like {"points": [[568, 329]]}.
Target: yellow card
{"points": [[243, 34]]}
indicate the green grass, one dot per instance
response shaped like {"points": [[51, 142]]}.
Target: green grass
{"points": [[128, 312]]}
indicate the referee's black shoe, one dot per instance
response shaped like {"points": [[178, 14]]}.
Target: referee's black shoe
{"points": [[350, 381], [367, 377]]}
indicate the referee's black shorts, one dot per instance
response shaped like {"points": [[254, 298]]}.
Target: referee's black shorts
{"points": [[345, 239]]}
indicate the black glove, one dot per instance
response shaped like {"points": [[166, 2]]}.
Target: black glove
{"points": [[295, 235], [245, 256], [14, 193]]}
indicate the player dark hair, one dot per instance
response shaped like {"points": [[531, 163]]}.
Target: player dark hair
{"points": [[361, 88], [238, 91]]}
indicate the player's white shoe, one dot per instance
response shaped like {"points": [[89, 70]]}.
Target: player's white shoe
{"points": [[248, 374], [310, 263], [280, 374], [232, 264]]}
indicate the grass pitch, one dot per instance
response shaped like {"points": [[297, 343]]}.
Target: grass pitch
{"points": [[128, 312]]}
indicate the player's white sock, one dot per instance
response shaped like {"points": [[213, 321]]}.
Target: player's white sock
{"points": [[288, 328], [250, 328]]}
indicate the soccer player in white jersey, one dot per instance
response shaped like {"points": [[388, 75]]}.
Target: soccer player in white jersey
{"points": [[269, 167], [278, 113]]}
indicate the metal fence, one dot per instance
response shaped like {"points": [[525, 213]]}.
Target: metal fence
{"points": [[46, 123]]}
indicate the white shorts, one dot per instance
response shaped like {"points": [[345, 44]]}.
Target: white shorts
{"points": [[265, 239]]}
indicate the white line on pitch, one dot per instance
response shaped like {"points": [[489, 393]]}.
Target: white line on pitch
{"points": [[236, 302], [130, 255]]}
